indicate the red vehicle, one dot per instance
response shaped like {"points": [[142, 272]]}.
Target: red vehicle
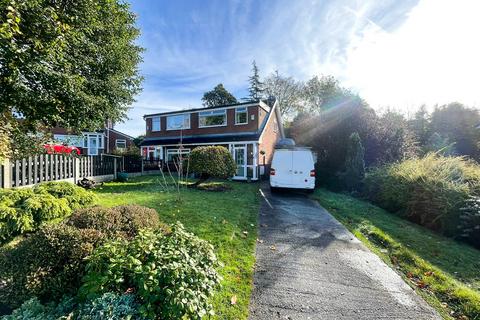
{"points": [[61, 149]]}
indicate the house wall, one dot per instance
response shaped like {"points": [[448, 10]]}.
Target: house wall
{"points": [[253, 124], [269, 138], [113, 136]]}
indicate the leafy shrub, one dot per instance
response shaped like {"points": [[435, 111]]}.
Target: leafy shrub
{"points": [[429, 191], [121, 220], [47, 264], [212, 162], [173, 275], [110, 306], [77, 197], [23, 210]]}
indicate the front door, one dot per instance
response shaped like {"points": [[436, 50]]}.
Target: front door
{"points": [[92, 145], [240, 157]]}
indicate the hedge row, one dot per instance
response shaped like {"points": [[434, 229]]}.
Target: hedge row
{"points": [[430, 191], [24, 210]]}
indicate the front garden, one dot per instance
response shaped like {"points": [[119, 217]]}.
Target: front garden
{"points": [[147, 251]]}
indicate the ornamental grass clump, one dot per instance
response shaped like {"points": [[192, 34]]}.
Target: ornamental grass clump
{"points": [[429, 191]]}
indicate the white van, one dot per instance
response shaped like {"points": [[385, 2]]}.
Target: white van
{"points": [[292, 167]]}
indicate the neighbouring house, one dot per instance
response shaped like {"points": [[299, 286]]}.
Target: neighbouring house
{"points": [[249, 130], [103, 141]]}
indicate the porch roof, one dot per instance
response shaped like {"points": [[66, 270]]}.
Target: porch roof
{"points": [[208, 138]]}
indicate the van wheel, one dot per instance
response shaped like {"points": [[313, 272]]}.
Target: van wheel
{"points": [[310, 191], [273, 190]]}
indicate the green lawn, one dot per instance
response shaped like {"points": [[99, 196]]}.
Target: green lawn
{"points": [[227, 219], [445, 272]]}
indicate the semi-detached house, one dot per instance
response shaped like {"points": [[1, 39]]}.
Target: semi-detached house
{"points": [[249, 130]]}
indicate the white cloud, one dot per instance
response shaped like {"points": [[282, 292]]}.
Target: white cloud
{"points": [[434, 57]]}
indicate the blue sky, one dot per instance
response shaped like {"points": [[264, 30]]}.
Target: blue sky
{"points": [[396, 54]]}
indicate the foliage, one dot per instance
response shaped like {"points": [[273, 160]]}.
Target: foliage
{"points": [[288, 92], [76, 197], [71, 63], [458, 124], [214, 216], [33, 309], [138, 140], [131, 150], [212, 162], [23, 210], [173, 275], [256, 86], [110, 306], [443, 271], [47, 264], [354, 171], [125, 221], [218, 96], [429, 191], [470, 220]]}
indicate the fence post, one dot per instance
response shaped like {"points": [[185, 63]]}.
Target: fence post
{"points": [[7, 174], [142, 166], [115, 168]]}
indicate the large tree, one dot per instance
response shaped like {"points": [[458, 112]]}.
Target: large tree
{"points": [[287, 91], [218, 96], [67, 63], [256, 86]]}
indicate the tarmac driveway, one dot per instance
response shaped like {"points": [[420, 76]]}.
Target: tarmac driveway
{"points": [[310, 267]]}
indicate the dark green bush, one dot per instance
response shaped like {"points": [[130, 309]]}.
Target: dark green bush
{"points": [[354, 169], [173, 275], [429, 191], [33, 309], [23, 210], [470, 221], [47, 264], [77, 197], [212, 162], [125, 220]]}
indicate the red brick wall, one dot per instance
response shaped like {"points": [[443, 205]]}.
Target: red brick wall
{"points": [[269, 138], [113, 136], [252, 125]]}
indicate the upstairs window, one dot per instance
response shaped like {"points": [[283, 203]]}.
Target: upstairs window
{"points": [[178, 122], [241, 116], [156, 124], [215, 118]]}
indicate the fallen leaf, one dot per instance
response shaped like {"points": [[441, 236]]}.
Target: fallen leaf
{"points": [[428, 273], [233, 300], [421, 284], [259, 241], [263, 225], [273, 248], [409, 275]]}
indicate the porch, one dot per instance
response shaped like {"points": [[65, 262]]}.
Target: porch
{"points": [[245, 155]]}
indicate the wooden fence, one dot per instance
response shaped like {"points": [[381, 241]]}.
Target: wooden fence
{"points": [[55, 167]]}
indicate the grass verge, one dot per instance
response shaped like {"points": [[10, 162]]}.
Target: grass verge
{"points": [[227, 219], [444, 272]]}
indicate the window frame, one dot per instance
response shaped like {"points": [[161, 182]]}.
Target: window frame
{"points": [[211, 113], [116, 143], [185, 115], [176, 152], [246, 115], [159, 124]]}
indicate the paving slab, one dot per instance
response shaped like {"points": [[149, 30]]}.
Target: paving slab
{"points": [[309, 266]]}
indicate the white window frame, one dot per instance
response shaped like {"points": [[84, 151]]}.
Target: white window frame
{"points": [[185, 116], [212, 113], [176, 151], [244, 110], [159, 124], [121, 140]]}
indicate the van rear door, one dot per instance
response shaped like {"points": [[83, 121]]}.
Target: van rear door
{"points": [[282, 163], [302, 164]]}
